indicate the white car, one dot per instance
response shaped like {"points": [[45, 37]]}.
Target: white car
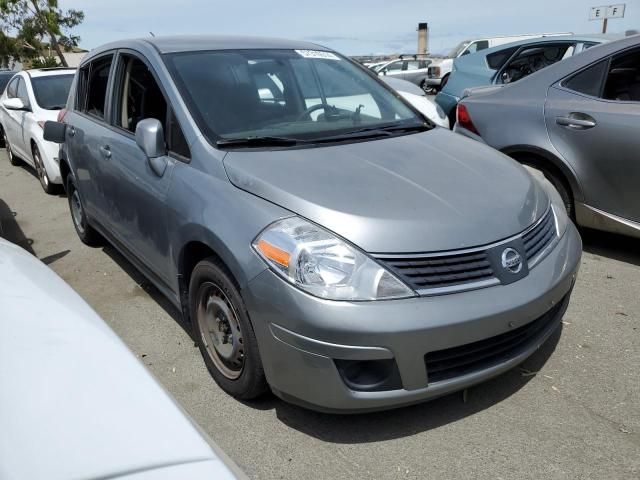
{"points": [[412, 68], [74, 401], [440, 69], [419, 99], [31, 98]]}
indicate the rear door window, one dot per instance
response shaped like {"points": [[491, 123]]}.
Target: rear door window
{"points": [[588, 81], [137, 96], [92, 87], [623, 78], [496, 60]]}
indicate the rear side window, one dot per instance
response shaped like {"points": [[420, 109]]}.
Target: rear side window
{"points": [[588, 81], [92, 87], [496, 60], [22, 92]]}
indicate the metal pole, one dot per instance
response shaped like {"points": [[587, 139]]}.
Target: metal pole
{"points": [[604, 25]]}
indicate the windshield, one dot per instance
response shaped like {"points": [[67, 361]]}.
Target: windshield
{"points": [[297, 94], [51, 91], [457, 50]]}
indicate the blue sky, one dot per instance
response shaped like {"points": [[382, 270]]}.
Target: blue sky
{"points": [[353, 27]]}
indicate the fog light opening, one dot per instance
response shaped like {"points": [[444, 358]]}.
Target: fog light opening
{"points": [[370, 375]]}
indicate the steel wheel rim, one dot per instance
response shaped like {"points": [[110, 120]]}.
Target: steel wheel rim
{"points": [[76, 211], [219, 328], [42, 173]]}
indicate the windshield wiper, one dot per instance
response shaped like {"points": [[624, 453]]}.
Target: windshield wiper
{"points": [[378, 131], [258, 142]]}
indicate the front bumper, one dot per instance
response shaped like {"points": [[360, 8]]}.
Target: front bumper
{"points": [[433, 82], [300, 337]]}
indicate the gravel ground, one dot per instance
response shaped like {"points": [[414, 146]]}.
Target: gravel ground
{"points": [[570, 411]]}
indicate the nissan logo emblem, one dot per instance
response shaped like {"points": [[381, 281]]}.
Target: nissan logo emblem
{"points": [[511, 260]]}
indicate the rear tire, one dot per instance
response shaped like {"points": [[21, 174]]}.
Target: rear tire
{"points": [[13, 160], [444, 81], [79, 218], [224, 333]]}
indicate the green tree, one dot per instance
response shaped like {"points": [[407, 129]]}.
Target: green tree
{"points": [[35, 21]]}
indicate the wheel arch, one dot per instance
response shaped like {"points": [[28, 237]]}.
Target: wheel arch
{"points": [[65, 170], [200, 247], [548, 160]]}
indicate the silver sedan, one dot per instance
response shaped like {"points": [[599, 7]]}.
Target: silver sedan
{"points": [[577, 121]]}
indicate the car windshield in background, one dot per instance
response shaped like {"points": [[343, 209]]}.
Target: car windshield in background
{"points": [[284, 96], [457, 50], [51, 91]]}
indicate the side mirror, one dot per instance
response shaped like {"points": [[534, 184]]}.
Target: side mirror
{"points": [[54, 131], [150, 138], [14, 104]]}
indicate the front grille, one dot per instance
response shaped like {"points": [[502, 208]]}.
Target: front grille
{"points": [[457, 361], [441, 271], [540, 236]]}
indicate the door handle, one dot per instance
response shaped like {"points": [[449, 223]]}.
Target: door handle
{"points": [[106, 151], [578, 121]]}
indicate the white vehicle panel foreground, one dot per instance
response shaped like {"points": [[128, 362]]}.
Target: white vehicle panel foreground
{"points": [[74, 401]]}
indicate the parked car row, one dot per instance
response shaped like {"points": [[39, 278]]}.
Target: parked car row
{"points": [[509, 63], [440, 69]]}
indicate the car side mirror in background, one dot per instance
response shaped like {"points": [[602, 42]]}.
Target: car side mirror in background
{"points": [[54, 131], [150, 138], [14, 104]]}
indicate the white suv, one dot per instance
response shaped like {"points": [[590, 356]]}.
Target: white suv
{"points": [[439, 70], [31, 98]]}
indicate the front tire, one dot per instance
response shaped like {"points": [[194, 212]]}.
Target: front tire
{"points": [[46, 184], [79, 218], [224, 333]]}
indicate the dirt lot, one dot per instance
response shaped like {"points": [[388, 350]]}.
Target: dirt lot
{"points": [[571, 411]]}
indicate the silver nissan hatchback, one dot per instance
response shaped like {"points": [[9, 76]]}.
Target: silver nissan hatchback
{"points": [[324, 240]]}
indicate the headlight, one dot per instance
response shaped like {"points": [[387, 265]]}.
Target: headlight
{"points": [[321, 264]]}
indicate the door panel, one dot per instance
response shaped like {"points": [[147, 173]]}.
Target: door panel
{"points": [[14, 119], [85, 136], [600, 140], [135, 198]]}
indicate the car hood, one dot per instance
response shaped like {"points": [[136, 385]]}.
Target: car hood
{"points": [[424, 192]]}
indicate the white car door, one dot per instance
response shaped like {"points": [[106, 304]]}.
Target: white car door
{"points": [[14, 120]]}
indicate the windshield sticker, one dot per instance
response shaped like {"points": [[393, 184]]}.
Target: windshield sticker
{"points": [[317, 54]]}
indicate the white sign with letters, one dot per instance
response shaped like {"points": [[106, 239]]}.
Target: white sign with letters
{"points": [[607, 11]]}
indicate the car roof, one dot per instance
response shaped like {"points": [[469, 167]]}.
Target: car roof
{"points": [[48, 72], [596, 38], [189, 43]]}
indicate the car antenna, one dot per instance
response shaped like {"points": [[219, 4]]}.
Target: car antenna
{"points": [[152, 34]]}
